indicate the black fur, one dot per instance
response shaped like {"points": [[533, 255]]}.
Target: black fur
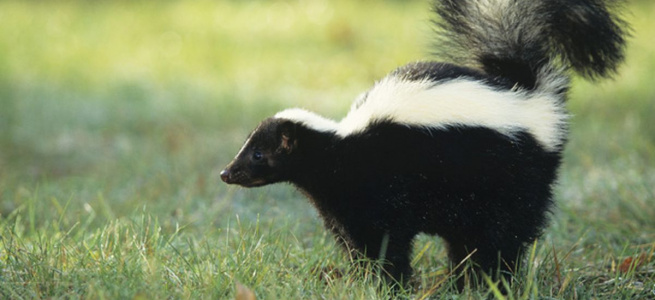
{"points": [[484, 192], [476, 188], [436, 71]]}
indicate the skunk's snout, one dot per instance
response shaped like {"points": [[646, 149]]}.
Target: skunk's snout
{"points": [[225, 176]]}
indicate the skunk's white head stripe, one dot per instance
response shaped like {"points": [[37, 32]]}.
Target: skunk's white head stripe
{"points": [[308, 118], [459, 102]]}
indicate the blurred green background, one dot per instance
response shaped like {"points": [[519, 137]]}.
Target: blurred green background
{"points": [[143, 102], [115, 110]]}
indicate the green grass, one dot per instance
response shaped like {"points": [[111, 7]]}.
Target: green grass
{"points": [[116, 117]]}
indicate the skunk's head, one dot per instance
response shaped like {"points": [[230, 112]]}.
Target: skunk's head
{"points": [[266, 156]]}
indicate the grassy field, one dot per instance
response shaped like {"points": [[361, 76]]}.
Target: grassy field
{"points": [[116, 117]]}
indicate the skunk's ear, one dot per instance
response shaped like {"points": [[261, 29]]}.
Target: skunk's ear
{"points": [[288, 138]]}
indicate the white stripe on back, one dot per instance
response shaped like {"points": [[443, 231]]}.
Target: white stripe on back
{"points": [[459, 102]]}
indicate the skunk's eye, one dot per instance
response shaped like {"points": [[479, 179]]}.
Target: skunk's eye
{"points": [[257, 155]]}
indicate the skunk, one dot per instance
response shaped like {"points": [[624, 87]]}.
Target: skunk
{"points": [[467, 149]]}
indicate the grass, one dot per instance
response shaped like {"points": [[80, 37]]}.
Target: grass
{"points": [[116, 117]]}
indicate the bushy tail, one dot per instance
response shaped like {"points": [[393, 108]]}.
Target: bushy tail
{"points": [[530, 41]]}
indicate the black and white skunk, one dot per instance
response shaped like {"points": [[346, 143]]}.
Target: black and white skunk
{"points": [[466, 151]]}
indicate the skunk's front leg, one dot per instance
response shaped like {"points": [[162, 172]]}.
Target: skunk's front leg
{"points": [[391, 250]]}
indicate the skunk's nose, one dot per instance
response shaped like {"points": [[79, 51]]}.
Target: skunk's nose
{"points": [[225, 175]]}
